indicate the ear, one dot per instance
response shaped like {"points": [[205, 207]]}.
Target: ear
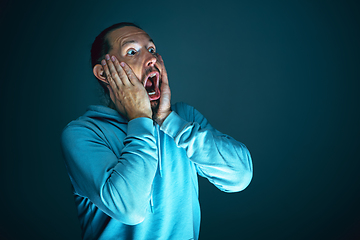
{"points": [[99, 73]]}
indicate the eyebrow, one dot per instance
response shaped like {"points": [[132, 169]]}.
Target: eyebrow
{"points": [[127, 42], [133, 41]]}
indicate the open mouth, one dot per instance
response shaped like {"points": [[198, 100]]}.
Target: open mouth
{"points": [[152, 85]]}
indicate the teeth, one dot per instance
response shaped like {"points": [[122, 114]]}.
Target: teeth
{"points": [[153, 75], [151, 93]]}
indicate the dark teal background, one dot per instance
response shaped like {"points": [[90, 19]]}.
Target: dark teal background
{"points": [[280, 76]]}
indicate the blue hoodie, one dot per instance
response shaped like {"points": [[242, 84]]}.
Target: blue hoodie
{"points": [[137, 180]]}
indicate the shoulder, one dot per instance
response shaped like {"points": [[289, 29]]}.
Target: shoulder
{"points": [[190, 114], [97, 122], [81, 130], [184, 110]]}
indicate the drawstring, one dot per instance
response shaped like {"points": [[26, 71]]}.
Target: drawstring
{"points": [[160, 167], [158, 146], [151, 201]]}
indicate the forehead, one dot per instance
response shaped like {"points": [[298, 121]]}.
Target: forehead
{"points": [[129, 33]]}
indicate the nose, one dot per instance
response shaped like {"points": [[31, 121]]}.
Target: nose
{"points": [[151, 60]]}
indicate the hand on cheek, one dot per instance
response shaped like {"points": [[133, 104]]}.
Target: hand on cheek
{"points": [[165, 98], [126, 91]]}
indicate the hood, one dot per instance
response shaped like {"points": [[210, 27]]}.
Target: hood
{"points": [[100, 111]]}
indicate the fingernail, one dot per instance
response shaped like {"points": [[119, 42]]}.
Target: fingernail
{"points": [[122, 64], [107, 57], [113, 58], [103, 62]]}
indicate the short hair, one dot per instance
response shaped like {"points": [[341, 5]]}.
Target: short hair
{"points": [[101, 47]]}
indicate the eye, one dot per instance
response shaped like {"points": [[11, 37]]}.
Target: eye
{"points": [[151, 50], [131, 52]]}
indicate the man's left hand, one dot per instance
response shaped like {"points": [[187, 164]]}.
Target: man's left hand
{"points": [[165, 96]]}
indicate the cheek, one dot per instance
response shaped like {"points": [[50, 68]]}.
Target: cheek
{"points": [[136, 65], [159, 67], [137, 70], [133, 63]]}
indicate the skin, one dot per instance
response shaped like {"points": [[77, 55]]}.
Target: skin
{"points": [[132, 57]]}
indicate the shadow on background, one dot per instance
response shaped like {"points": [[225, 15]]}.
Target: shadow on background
{"points": [[281, 77]]}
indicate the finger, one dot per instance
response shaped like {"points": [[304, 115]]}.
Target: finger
{"points": [[165, 88], [129, 72], [108, 75], [114, 74], [160, 58], [124, 78], [164, 76]]}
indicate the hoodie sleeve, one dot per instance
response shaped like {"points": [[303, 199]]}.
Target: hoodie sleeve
{"points": [[224, 161], [120, 187]]}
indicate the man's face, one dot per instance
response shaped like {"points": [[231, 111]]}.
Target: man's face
{"points": [[134, 47]]}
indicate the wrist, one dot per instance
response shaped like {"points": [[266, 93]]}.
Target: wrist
{"points": [[160, 118], [139, 116]]}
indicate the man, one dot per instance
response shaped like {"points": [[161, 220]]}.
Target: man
{"points": [[134, 165]]}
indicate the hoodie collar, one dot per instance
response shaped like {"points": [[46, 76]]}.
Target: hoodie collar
{"points": [[105, 112]]}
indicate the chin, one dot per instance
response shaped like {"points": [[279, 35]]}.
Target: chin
{"points": [[154, 106]]}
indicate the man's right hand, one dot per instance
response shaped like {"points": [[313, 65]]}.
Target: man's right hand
{"points": [[126, 91]]}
